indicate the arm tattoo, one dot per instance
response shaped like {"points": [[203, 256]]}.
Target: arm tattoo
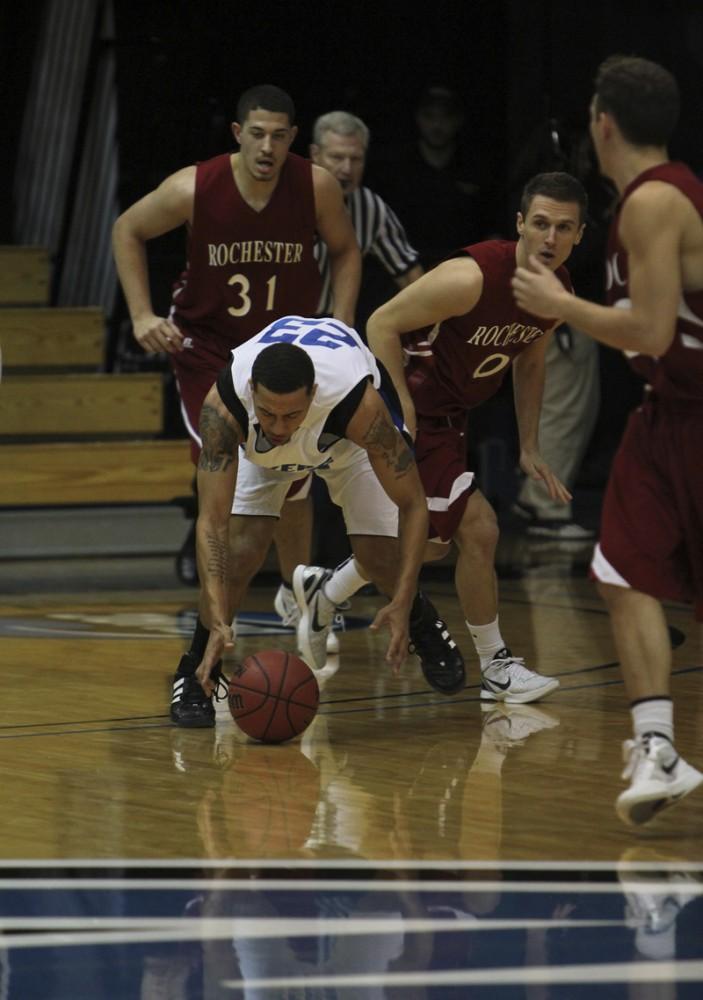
{"points": [[219, 439], [385, 441], [217, 557]]}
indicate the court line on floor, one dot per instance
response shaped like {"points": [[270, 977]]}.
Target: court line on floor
{"points": [[7, 731], [555, 698], [83, 722], [445, 702], [87, 731]]}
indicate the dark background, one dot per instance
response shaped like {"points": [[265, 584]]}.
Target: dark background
{"points": [[516, 64], [182, 65]]}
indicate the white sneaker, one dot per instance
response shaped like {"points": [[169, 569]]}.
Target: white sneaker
{"points": [[316, 613], [659, 778], [286, 607], [506, 678]]}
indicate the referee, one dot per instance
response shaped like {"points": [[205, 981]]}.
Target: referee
{"points": [[340, 143]]}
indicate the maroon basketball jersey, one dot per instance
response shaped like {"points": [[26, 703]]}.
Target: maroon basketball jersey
{"points": [[245, 267], [463, 360], [678, 374]]}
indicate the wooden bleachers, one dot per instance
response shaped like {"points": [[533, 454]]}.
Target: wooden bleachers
{"points": [[40, 338], [91, 472], [24, 276], [69, 405], [69, 433]]}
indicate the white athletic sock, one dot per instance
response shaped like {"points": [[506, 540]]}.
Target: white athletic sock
{"points": [[344, 582], [487, 640], [653, 715]]}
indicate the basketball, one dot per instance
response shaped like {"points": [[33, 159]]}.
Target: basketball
{"points": [[273, 695]]}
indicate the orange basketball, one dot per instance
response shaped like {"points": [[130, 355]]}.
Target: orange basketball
{"points": [[273, 695]]}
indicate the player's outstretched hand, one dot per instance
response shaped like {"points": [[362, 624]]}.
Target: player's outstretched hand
{"points": [[221, 641], [534, 466], [394, 617], [538, 290]]}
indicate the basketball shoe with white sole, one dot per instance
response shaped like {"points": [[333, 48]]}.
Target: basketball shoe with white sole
{"points": [[658, 777], [506, 678], [190, 706], [316, 613], [286, 607]]}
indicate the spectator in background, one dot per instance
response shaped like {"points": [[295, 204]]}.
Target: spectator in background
{"points": [[428, 181]]}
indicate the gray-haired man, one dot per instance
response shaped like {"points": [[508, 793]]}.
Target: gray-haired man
{"points": [[340, 143]]}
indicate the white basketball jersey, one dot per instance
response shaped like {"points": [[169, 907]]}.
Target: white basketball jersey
{"points": [[341, 360]]}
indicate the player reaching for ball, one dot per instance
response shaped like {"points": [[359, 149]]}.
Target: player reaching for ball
{"points": [[307, 395]]}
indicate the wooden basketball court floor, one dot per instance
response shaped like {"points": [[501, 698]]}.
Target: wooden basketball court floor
{"points": [[409, 845]]}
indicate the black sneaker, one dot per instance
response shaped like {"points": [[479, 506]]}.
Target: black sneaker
{"points": [[190, 706], [440, 658]]}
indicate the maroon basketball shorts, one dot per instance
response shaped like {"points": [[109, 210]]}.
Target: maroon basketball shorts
{"points": [[652, 521], [196, 372], [440, 453]]}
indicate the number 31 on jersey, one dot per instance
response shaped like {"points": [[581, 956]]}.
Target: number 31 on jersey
{"points": [[242, 286]]}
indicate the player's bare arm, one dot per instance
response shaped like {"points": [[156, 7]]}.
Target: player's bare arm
{"points": [[528, 390], [335, 228], [166, 208], [450, 289], [217, 472], [651, 229], [371, 428]]}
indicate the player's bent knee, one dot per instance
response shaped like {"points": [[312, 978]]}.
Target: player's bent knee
{"points": [[478, 528]]}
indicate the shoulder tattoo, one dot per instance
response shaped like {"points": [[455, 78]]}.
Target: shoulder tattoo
{"points": [[383, 439], [219, 440]]}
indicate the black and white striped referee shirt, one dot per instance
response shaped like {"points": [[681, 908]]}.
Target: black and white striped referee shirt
{"points": [[378, 231]]}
